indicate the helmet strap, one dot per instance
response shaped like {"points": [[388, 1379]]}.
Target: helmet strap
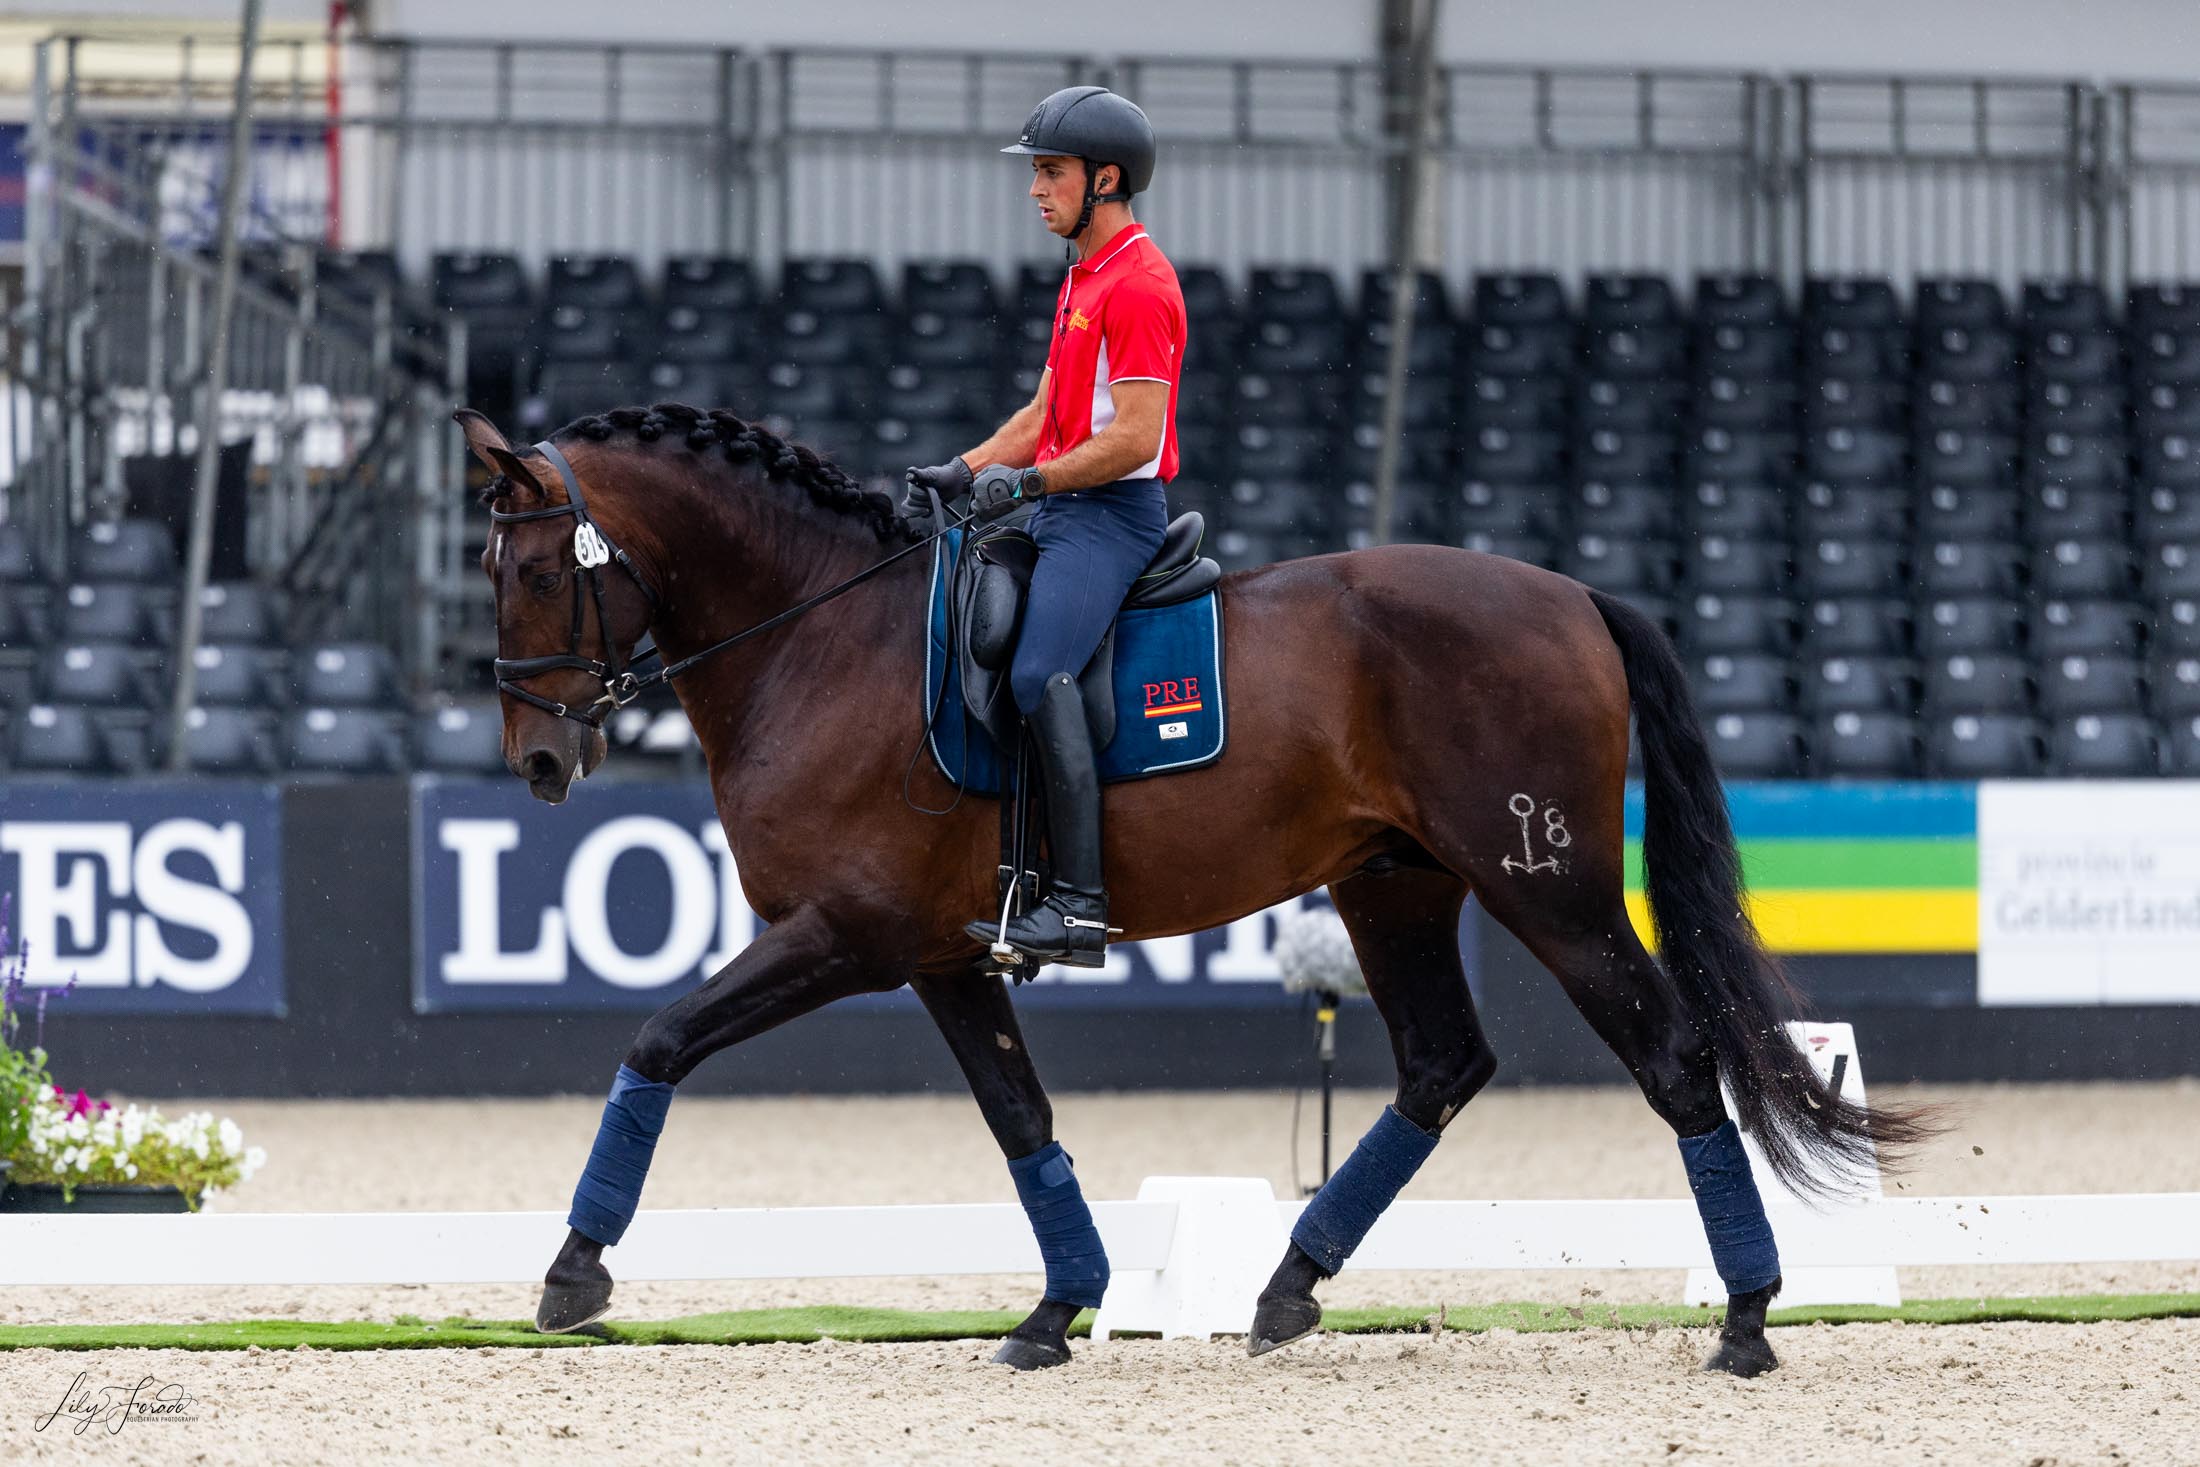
{"points": [[1084, 216]]}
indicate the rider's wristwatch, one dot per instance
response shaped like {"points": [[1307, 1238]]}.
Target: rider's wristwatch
{"points": [[1030, 484]]}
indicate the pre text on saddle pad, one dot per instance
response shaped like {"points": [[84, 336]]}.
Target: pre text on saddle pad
{"points": [[1168, 692]]}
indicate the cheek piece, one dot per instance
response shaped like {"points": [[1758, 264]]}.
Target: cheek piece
{"points": [[611, 1184]]}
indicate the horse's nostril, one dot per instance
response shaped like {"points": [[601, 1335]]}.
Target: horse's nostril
{"points": [[541, 765]]}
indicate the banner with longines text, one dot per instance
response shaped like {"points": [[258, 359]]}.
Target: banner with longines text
{"points": [[626, 896], [153, 896]]}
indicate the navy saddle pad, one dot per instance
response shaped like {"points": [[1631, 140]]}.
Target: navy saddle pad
{"points": [[1168, 691]]}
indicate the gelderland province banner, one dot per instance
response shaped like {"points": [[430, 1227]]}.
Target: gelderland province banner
{"points": [[626, 896], [2089, 893], [157, 897]]}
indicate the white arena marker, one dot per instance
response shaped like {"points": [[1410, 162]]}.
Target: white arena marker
{"points": [[1832, 1051]]}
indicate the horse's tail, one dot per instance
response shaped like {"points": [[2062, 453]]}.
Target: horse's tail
{"points": [[1734, 991]]}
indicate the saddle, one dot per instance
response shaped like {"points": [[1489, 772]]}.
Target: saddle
{"points": [[991, 583]]}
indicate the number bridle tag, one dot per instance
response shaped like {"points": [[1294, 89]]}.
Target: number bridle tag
{"points": [[589, 547]]}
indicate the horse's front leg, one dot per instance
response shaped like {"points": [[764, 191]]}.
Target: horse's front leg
{"points": [[795, 965], [980, 1027]]}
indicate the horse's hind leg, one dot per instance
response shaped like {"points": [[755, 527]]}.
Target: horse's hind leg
{"points": [[1584, 937], [979, 1025], [795, 965], [1404, 919]]}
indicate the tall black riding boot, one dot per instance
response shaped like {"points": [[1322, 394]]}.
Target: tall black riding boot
{"points": [[1071, 925]]}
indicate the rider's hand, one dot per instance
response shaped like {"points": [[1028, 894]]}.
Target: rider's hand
{"points": [[997, 491], [946, 480]]}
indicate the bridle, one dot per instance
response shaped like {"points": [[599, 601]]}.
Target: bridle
{"points": [[592, 549]]}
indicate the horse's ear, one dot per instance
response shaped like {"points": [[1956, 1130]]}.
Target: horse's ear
{"points": [[494, 451], [487, 444]]}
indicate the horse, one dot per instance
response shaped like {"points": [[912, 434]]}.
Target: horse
{"points": [[1409, 723]]}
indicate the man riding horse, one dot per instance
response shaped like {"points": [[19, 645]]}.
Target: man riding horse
{"points": [[1093, 448]]}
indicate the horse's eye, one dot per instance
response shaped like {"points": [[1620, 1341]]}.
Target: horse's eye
{"points": [[548, 582]]}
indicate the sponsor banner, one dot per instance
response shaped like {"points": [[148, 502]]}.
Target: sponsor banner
{"points": [[626, 896], [2089, 893], [156, 896], [1847, 868]]}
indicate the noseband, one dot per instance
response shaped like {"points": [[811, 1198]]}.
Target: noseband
{"points": [[622, 684]]}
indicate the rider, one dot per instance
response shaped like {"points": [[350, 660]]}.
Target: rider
{"points": [[1094, 448]]}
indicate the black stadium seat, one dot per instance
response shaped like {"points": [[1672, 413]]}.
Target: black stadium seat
{"points": [[1627, 301], [116, 611], [346, 675], [1852, 744], [1984, 682], [340, 741], [1519, 300], [1858, 511], [2184, 747], [2064, 305], [1710, 623], [1855, 301], [1848, 626], [96, 674], [1737, 511], [595, 281], [124, 550], [2105, 746], [2096, 408], [1756, 745], [2172, 571], [239, 675], [1985, 746], [1739, 300], [1291, 293], [1961, 304], [961, 288], [2087, 628], [229, 741], [831, 287], [2173, 687], [1634, 351], [1972, 624], [1620, 510], [460, 738], [1865, 684], [46, 739], [1629, 404], [711, 283], [1742, 682], [2069, 686]]}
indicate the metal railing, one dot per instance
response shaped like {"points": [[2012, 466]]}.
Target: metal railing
{"points": [[343, 398], [650, 151]]}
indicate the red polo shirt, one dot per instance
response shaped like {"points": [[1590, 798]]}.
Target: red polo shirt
{"points": [[1119, 318]]}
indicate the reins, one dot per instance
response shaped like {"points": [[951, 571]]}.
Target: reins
{"points": [[622, 684]]}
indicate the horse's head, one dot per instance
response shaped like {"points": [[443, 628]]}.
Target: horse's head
{"points": [[565, 615]]}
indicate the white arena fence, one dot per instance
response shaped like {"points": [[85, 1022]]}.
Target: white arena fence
{"points": [[1189, 1256]]}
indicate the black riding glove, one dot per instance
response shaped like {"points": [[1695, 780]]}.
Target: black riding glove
{"points": [[946, 480], [1001, 489]]}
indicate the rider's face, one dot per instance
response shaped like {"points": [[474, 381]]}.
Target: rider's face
{"points": [[1058, 186]]}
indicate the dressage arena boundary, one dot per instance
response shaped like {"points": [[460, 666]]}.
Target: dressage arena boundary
{"points": [[1189, 1255]]}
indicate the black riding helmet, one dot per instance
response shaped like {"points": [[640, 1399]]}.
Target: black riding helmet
{"points": [[1096, 125]]}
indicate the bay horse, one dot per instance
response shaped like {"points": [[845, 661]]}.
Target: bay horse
{"points": [[1408, 724]]}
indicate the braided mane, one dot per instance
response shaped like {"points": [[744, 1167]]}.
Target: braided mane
{"points": [[829, 486]]}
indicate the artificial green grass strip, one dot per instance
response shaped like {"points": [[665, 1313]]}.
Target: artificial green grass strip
{"points": [[842, 1322]]}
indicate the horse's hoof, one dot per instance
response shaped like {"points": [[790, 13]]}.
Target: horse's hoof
{"points": [[1023, 1354], [1281, 1318], [1747, 1356], [568, 1307]]}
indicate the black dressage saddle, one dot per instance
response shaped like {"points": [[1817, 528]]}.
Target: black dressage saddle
{"points": [[992, 578]]}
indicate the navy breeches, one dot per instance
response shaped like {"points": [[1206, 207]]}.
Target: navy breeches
{"points": [[1092, 546]]}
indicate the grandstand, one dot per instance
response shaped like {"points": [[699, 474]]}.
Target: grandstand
{"points": [[1925, 522]]}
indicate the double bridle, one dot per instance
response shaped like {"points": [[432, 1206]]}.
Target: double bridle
{"points": [[622, 683]]}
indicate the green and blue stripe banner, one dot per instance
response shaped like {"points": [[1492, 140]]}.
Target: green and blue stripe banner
{"points": [[1848, 868]]}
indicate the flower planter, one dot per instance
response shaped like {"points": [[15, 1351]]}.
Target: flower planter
{"points": [[93, 1197]]}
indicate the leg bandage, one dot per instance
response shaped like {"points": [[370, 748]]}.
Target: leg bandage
{"points": [[611, 1185], [1734, 1220], [1350, 1201], [1077, 1264]]}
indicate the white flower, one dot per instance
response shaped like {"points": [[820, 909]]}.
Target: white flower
{"points": [[129, 1169]]}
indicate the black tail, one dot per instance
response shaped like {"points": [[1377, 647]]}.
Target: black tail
{"points": [[1733, 989]]}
